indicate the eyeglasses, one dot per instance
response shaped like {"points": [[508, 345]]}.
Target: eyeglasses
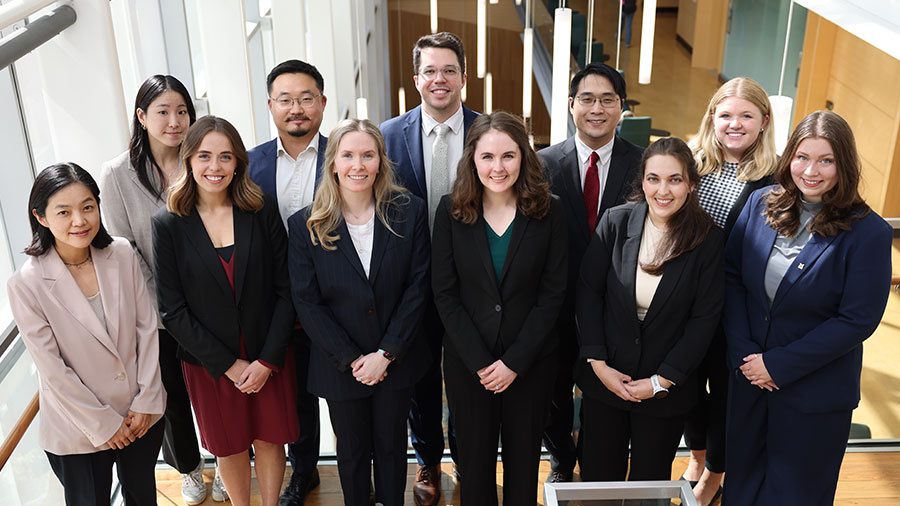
{"points": [[286, 102], [450, 73], [588, 100]]}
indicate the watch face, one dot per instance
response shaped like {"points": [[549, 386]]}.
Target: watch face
{"points": [[661, 394]]}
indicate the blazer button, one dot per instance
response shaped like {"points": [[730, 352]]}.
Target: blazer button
{"points": [[497, 308], [637, 340], [120, 377], [370, 311]]}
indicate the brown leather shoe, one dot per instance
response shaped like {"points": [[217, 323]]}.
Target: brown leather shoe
{"points": [[427, 489]]}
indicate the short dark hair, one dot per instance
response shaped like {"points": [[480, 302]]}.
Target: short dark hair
{"points": [[600, 69], [51, 180], [444, 40], [295, 67]]}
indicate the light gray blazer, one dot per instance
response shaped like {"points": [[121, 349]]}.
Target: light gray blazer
{"points": [[127, 207]]}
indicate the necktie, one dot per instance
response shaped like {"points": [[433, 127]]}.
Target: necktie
{"points": [[592, 192], [440, 171]]}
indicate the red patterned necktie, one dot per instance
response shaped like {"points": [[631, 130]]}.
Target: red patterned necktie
{"points": [[592, 192]]}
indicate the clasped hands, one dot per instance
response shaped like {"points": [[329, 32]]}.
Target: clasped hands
{"points": [[755, 371], [497, 377], [622, 385], [370, 369], [248, 377], [134, 425]]}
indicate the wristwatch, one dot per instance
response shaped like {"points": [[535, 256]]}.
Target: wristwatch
{"points": [[388, 355], [658, 391]]}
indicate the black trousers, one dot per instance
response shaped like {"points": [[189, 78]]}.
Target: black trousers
{"points": [[370, 428], [777, 455], [87, 477], [426, 412], [304, 452], [516, 417], [558, 433], [704, 427], [654, 441], [180, 448]]}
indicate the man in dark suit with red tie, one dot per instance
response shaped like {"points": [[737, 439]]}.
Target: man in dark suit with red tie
{"points": [[591, 171]]}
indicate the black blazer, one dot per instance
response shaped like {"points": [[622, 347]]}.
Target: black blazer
{"points": [[680, 322], [561, 163], [195, 299], [347, 314], [514, 321]]}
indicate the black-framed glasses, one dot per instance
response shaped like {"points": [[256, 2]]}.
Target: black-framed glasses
{"points": [[286, 102], [607, 101], [449, 72]]}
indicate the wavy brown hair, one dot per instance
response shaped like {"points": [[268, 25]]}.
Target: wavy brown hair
{"points": [[326, 213], [244, 193], [531, 188], [688, 227], [842, 204]]}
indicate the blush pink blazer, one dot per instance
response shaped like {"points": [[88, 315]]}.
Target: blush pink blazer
{"points": [[90, 376]]}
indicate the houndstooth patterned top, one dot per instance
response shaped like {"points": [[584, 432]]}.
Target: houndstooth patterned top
{"points": [[719, 191]]}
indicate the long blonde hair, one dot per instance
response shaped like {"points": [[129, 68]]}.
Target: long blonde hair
{"points": [[760, 158], [326, 213]]}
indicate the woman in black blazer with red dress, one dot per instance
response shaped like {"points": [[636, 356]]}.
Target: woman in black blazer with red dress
{"points": [[640, 343], [499, 268]]}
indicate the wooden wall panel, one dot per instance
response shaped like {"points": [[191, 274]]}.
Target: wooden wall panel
{"points": [[710, 19], [815, 67]]}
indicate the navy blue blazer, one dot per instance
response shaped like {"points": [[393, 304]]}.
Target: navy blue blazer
{"points": [[347, 314], [403, 136], [263, 161], [830, 300]]}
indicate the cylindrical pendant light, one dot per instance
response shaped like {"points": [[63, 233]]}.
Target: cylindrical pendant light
{"points": [[562, 37], [401, 100], [527, 64], [782, 106], [648, 27], [434, 16], [362, 108], [488, 93], [482, 38]]}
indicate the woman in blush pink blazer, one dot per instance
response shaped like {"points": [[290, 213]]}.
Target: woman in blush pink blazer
{"points": [[82, 308]]}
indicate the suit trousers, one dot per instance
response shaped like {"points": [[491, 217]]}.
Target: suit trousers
{"points": [[654, 441], [558, 433], [777, 455], [304, 452], [87, 477], [704, 427], [516, 417], [426, 413], [367, 429], [179, 446]]}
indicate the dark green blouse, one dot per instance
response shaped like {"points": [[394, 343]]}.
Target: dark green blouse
{"points": [[499, 245]]}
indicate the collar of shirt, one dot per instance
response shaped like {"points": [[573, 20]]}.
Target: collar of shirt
{"points": [[584, 153], [455, 122], [313, 145]]}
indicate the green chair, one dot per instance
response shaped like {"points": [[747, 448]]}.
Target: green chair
{"points": [[579, 31], [636, 129], [597, 55]]}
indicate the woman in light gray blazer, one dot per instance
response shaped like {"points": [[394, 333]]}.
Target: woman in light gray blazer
{"points": [[134, 187]]}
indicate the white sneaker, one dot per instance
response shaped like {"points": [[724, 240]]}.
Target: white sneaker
{"points": [[193, 490], [219, 494]]}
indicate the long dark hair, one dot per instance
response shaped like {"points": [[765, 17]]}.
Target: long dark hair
{"points": [[51, 180], [531, 188], [687, 228], [139, 149], [842, 204]]}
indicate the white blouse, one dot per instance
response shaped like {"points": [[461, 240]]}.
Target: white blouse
{"points": [[362, 237]]}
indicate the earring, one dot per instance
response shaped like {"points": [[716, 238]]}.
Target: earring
{"points": [[143, 126], [763, 129]]}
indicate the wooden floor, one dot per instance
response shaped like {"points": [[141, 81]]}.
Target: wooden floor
{"points": [[867, 479]]}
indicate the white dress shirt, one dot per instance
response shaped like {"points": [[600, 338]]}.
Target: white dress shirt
{"points": [[584, 160], [455, 141], [284, 169]]}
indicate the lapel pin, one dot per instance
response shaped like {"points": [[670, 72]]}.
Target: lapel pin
{"points": [[800, 267]]}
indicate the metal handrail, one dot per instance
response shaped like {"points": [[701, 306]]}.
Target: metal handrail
{"points": [[18, 430]]}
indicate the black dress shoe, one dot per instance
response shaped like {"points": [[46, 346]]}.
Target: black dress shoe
{"points": [[298, 487], [559, 477]]}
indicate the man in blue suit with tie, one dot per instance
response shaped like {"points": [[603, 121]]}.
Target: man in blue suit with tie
{"points": [[289, 168], [425, 145]]}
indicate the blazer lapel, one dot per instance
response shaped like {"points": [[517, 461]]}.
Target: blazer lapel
{"points": [[199, 238], [802, 264], [666, 287], [478, 238], [345, 246], [67, 292], [243, 237], [630, 251], [568, 164], [267, 177], [379, 244], [615, 176], [519, 224], [412, 134], [108, 272], [320, 158], [143, 190]]}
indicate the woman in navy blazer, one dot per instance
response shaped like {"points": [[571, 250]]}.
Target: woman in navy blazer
{"points": [[359, 261], [499, 279], [808, 274], [647, 307]]}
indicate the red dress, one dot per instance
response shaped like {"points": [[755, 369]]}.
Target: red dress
{"points": [[230, 420]]}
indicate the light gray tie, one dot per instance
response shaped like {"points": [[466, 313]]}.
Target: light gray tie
{"points": [[440, 171]]}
